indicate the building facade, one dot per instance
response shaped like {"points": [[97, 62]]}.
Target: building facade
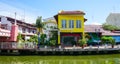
{"points": [[25, 29], [49, 25], [70, 26], [96, 32], [113, 19]]}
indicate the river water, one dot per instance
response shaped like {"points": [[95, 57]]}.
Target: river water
{"points": [[82, 59]]}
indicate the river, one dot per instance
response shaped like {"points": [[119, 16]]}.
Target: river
{"points": [[82, 59]]}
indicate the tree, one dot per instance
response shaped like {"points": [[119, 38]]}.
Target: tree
{"points": [[108, 40], [104, 40], [39, 25], [43, 36], [54, 37], [110, 27], [111, 41], [19, 37], [34, 38]]}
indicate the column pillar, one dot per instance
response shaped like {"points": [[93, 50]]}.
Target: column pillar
{"points": [[58, 37], [83, 35], [14, 33]]}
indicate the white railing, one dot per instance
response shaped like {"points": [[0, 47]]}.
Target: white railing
{"points": [[14, 45]]}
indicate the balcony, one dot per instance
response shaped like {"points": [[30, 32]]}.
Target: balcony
{"points": [[4, 33]]}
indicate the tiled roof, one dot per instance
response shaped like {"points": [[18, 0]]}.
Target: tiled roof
{"points": [[71, 12], [18, 21], [91, 29], [108, 33]]}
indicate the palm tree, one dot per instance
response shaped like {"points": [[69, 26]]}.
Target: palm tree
{"points": [[39, 26]]}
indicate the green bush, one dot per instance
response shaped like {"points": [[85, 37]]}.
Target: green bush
{"points": [[81, 42], [104, 40], [108, 40], [111, 40], [52, 42], [110, 27], [19, 38], [42, 39], [33, 38]]}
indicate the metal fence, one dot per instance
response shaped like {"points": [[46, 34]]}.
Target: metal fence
{"points": [[14, 45]]}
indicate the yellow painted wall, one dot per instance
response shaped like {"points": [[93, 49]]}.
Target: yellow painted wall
{"points": [[70, 17]]}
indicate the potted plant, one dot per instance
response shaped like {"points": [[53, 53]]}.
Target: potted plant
{"points": [[104, 40], [108, 40], [111, 41], [82, 42]]}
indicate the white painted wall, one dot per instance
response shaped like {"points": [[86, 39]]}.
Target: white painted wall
{"points": [[5, 21], [113, 19], [48, 27]]}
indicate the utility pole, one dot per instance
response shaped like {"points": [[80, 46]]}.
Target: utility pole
{"points": [[15, 18], [24, 15]]}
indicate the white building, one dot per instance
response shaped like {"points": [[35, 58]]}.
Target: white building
{"points": [[113, 19], [49, 25], [24, 28]]}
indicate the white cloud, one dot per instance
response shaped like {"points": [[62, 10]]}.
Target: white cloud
{"points": [[93, 23], [96, 23], [8, 10]]}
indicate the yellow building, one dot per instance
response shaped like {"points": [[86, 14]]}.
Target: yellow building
{"points": [[70, 26]]}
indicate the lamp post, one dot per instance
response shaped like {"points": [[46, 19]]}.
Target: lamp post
{"points": [[97, 32]]}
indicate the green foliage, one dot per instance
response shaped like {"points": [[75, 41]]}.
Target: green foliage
{"points": [[108, 39], [39, 23], [104, 39], [34, 38], [111, 40], [42, 38], [53, 39], [81, 42], [46, 42], [52, 42], [110, 27], [51, 27], [87, 36], [54, 35], [19, 37]]}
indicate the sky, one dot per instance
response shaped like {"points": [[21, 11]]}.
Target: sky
{"points": [[96, 10]]}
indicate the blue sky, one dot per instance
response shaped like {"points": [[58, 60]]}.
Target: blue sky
{"points": [[96, 10]]}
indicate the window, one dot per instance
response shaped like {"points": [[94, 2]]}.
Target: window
{"points": [[78, 24], [63, 23], [71, 23]]}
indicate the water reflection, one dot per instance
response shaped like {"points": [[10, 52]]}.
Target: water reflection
{"points": [[105, 59]]}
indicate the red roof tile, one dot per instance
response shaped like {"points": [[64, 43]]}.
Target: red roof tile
{"points": [[71, 12]]}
